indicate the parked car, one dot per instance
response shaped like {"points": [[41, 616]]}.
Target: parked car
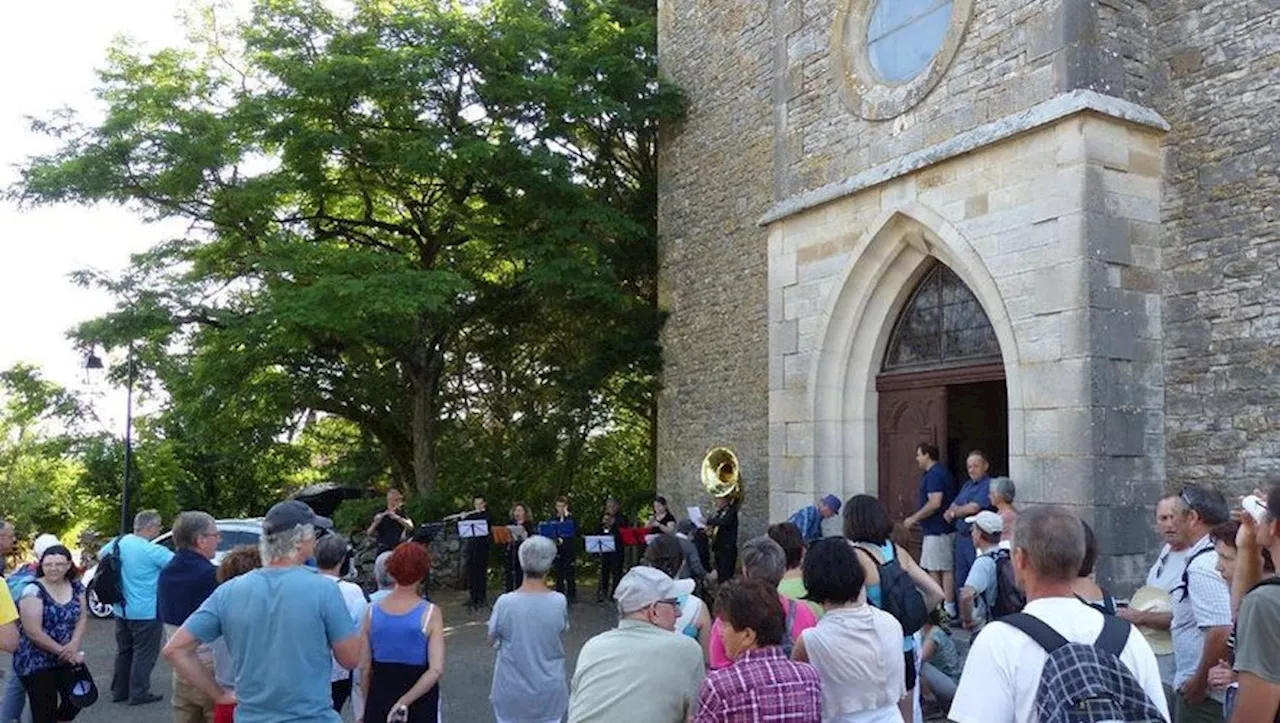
{"points": [[234, 534]]}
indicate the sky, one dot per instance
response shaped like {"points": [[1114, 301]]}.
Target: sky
{"points": [[50, 50]]}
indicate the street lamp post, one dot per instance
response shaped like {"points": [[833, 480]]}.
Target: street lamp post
{"points": [[93, 361]]}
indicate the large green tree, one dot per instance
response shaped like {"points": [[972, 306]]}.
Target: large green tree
{"points": [[409, 214]]}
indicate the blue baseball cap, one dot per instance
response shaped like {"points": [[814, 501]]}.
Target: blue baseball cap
{"points": [[832, 502]]}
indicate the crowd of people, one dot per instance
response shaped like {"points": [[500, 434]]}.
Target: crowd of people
{"points": [[830, 628]]}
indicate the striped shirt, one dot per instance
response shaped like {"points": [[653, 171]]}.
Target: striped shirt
{"points": [[1205, 602], [763, 686]]}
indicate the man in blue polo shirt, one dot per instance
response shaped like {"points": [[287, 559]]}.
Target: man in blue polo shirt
{"points": [[138, 630], [937, 491], [974, 497], [185, 583], [281, 624]]}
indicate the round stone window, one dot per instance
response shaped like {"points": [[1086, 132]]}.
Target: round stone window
{"points": [[891, 53], [904, 35]]}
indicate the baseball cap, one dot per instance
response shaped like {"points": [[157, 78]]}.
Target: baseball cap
{"points": [[832, 502], [290, 514], [44, 542], [643, 586], [987, 521]]}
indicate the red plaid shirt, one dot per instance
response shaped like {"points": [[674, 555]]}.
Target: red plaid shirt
{"points": [[762, 686]]}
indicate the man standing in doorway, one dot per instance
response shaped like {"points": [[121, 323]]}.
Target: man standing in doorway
{"points": [[390, 527], [937, 492], [138, 630], [974, 497]]}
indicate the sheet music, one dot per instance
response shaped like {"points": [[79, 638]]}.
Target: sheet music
{"points": [[600, 544], [473, 528], [695, 514]]}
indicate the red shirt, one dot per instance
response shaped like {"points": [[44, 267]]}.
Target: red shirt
{"points": [[762, 686]]}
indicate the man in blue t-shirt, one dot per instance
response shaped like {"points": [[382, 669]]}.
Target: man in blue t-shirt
{"points": [[139, 631], [281, 624], [937, 491], [973, 497]]}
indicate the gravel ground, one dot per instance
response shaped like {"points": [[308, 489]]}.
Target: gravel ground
{"points": [[469, 663]]}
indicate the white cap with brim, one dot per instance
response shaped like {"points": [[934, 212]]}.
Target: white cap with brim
{"points": [[987, 521], [643, 586], [1151, 599]]}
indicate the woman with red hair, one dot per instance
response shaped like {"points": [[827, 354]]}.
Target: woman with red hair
{"points": [[403, 646]]}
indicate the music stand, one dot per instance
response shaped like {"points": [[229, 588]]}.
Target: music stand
{"points": [[427, 532], [473, 528], [600, 544], [502, 535]]}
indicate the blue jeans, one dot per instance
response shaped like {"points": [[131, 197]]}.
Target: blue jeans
{"points": [[15, 699]]}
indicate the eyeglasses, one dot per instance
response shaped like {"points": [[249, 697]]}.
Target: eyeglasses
{"points": [[674, 603]]}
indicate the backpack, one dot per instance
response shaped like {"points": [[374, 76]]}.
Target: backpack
{"points": [[787, 642], [1185, 586], [1084, 683], [19, 580], [108, 581], [899, 595], [1009, 599]]}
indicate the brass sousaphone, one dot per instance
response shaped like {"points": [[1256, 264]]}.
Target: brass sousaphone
{"points": [[721, 474]]}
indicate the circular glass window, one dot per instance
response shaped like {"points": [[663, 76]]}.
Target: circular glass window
{"points": [[904, 35]]}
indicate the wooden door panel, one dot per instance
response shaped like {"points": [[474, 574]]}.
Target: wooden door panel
{"points": [[907, 417]]}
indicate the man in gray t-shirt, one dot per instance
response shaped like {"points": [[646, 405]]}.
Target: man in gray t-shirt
{"points": [[979, 591]]}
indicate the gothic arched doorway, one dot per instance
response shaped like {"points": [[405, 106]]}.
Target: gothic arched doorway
{"points": [[941, 381]]}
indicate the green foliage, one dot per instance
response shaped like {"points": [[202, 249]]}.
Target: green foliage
{"points": [[422, 249], [38, 473]]}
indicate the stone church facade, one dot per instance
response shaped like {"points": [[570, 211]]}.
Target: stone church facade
{"points": [[1045, 228]]}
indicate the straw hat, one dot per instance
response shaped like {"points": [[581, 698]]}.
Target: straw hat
{"points": [[1152, 599]]}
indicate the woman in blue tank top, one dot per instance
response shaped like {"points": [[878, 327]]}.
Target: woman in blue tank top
{"points": [[404, 646]]}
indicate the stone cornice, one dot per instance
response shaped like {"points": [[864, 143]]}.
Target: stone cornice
{"points": [[1057, 108]]}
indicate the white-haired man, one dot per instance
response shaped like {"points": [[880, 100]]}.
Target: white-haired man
{"points": [[640, 672], [139, 631], [281, 624]]}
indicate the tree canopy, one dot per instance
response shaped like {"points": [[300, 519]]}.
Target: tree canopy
{"points": [[423, 231]]}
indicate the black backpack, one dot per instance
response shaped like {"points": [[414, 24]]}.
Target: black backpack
{"points": [[899, 595], [1084, 683], [108, 580], [1009, 599]]}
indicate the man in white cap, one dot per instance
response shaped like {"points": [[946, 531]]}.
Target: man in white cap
{"points": [[978, 595], [642, 671]]}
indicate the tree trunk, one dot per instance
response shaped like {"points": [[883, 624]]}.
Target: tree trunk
{"points": [[426, 383]]}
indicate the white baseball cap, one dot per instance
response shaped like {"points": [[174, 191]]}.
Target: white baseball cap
{"points": [[987, 521], [643, 586], [44, 542]]}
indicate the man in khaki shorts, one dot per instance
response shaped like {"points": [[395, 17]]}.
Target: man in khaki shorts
{"points": [[937, 490]]}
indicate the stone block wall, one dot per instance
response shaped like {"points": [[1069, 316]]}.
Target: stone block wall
{"points": [[714, 183], [1054, 231], [1218, 82]]}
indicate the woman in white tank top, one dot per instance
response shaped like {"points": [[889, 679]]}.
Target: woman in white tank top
{"points": [[856, 648]]}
